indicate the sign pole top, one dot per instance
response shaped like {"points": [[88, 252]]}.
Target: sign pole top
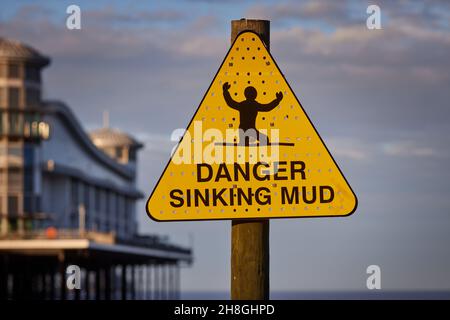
{"points": [[261, 27]]}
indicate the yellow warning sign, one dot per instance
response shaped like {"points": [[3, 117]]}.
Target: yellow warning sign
{"points": [[250, 151]]}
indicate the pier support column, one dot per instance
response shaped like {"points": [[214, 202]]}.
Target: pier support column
{"points": [[97, 284], [156, 282], [139, 282], [112, 281], [4, 273], [52, 283], [177, 282], [143, 283], [123, 286], [43, 292], [107, 282], [163, 282], [87, 285], [62, 273], [133, 284], [149, 282], [169, 281]]}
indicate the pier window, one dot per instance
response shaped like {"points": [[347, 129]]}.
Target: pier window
{"points": [[13, 97], [97, 199], [32, 74], [33, 97], [118, 212], [107, 213], [87, 204], [74, 194], [13, 205], [128, 216], [2, 97], [15, 179], [15, 124], [101, 218], [74, 201], [2, 70], [13, 71]]}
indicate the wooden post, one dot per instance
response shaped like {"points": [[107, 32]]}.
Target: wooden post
{"points": [[250, 239]]}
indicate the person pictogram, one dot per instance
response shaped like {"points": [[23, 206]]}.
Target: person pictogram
{"points": [[248, 111]]}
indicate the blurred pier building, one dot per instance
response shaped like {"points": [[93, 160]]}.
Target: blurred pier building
{"points": [[68, 197]]}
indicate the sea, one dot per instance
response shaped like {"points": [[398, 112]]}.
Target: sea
{"points": [[327, 295]]}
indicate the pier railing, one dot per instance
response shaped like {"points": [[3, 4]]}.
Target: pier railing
{"points": [[51, 233], [58, 234]]}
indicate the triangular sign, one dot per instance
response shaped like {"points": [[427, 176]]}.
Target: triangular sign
{"points": [[250, 151]]}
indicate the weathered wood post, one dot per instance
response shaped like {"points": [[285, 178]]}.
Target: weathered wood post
{"points": [[250, 239]]}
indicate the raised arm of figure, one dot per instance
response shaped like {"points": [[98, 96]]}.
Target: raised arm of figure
{"points": [[271, 105], [228, 99]]}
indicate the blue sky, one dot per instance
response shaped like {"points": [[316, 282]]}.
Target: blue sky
{"points": [[379, 98]]}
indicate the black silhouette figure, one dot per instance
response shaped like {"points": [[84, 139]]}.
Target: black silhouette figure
{"points": [[248, 111]]}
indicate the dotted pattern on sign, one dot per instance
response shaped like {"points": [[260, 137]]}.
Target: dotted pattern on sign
{"points": [[248, 63]]}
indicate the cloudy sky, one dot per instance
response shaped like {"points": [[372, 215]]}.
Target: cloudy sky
{"points": [[379, 98]]}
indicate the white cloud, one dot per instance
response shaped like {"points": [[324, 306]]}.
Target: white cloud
{"points": [[155, 142], [407, 149], [349, 148], [331, 12]]}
